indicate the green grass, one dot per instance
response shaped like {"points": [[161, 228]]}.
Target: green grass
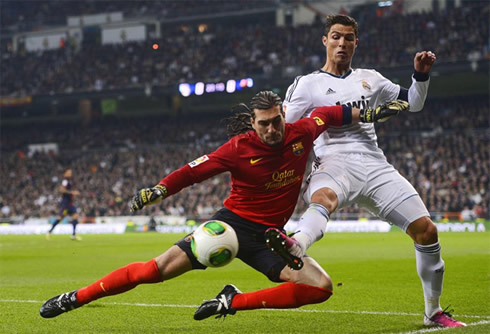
{"points": [[376, 271]]}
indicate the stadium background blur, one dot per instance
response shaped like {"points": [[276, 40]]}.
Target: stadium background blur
{"points": [[124, 92]]}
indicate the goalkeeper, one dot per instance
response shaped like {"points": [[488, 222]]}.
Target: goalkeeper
{"points": [[263, 147]]}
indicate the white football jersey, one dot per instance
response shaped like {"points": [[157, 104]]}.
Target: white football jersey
{"points": [[358, 88]]}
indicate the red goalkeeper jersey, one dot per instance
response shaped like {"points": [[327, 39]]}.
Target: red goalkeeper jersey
{"points": [[266, 181]]}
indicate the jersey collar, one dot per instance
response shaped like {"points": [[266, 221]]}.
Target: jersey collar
{"points": [[343, 76]]}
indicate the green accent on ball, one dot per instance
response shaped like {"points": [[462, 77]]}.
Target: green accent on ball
{"points": [[214, 228], [220, 257], [193, 247]]}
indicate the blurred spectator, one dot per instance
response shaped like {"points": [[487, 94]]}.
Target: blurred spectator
{"points": [[241, 50], [443, 151]]}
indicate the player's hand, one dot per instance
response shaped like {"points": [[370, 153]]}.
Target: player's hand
{"points": [[148, 196], [383, 112], [423, 61], [75, 192]]}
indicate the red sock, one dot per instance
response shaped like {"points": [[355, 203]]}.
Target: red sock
{"points": [[286, 295], [120, 280]]}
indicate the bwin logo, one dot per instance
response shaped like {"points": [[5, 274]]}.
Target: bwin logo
{"points": [[362, 104]]}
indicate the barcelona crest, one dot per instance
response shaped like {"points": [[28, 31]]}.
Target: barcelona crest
{"points": [[298, 148]]}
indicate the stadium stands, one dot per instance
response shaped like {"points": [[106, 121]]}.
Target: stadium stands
{"points": [[241, 50], [442, 151]]}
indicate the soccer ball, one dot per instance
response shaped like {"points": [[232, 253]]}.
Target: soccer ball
{"points": [[214, 243]]}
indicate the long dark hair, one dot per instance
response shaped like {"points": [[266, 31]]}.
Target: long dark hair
{"points": [[240, 121]]}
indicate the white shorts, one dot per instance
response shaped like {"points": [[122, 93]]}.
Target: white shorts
{"points": [[370, 182]]}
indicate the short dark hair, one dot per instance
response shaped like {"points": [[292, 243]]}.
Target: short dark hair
{"points": [[240, 122], [344, 20]]}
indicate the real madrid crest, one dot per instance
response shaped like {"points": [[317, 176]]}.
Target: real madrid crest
{"points": [[365, 85]]}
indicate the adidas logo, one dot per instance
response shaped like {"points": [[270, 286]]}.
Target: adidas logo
{"points": [[330, 91]]}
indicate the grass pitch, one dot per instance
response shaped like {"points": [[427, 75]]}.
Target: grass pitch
{"points": [[377, 289]]}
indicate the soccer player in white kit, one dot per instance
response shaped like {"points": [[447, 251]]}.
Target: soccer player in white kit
{"points": [[351, 168]]}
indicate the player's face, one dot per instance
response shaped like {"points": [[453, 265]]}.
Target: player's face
{"points": [[68, 174], [269, 125], [341, 44]]}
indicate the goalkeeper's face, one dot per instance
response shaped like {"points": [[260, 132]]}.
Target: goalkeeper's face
{"points": [[269, 125], [341, 44]]}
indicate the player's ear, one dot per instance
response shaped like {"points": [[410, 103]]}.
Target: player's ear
{"points": [[252, 121], [324, 40]]}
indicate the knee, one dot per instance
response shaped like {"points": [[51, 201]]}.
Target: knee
{"points": [[423, 231], [326, 197], [319, 280], [325, 282]]}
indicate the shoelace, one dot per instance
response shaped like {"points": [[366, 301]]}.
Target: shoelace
{"points": [[224, 310], [448, 313]]}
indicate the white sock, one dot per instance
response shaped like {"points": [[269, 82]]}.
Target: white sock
{"points": [[430, 268], [312, 225]]}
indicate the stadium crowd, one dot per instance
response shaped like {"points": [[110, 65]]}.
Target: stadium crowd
{"points": [[31, 15], [443, 151], [221, 52]]}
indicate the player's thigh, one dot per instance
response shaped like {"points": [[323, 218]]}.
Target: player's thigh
{"points": [[253, 249], [254, 252], [344, 174], [264, 261], [74, 215], [409, 211], [172, 263], [391, 197], [64, 211], [311, 274]]}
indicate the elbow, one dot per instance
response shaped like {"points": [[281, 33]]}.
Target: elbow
{"points": [[416, 107]]}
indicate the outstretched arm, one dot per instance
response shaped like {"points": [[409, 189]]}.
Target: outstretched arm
{"points": [[341, 115], [383, 112], [196, 171], [417, 92]]}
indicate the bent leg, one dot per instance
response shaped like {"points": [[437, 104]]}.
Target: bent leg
{"points": [[423, 231], [311, 274], [56, 222], [310, 285], [170, 264], [74, 222], [313, 223]]}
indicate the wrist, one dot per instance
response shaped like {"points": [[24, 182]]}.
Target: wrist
{"points": [[420, 76], [163, 190], [346, 114], [366, 115]]}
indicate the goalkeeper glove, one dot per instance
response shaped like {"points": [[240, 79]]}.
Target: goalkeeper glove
{"points": [[148, 196], [383, 112]]}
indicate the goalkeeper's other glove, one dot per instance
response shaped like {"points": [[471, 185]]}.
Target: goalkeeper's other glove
{"points": [[383, 112], [148, 196]]}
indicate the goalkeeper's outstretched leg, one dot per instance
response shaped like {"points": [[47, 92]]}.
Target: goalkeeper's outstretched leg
{"points": [[174, 262]]}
